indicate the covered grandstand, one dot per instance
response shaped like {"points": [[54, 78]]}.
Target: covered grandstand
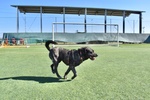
{"points": [[85, 36]]}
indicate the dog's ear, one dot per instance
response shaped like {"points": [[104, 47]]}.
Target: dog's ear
{"points": [[79, 50], [82, 50], [85, 49]]}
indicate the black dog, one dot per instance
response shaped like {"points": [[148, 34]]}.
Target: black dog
{"points": [[72, 58]]}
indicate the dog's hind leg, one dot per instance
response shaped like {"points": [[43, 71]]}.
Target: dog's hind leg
{"points": [[52, 68], [56, 71]]}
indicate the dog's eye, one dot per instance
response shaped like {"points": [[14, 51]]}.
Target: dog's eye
{"points": [[90, 52]]}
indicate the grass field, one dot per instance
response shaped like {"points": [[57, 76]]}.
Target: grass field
{"points": [[117, 74]]}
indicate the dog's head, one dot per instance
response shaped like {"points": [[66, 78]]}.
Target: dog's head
{"points": [[87, 53]]}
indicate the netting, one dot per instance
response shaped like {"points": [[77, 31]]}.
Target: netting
{"points": [[86, 32]]}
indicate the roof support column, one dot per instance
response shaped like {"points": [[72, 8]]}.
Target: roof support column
{"points": [[17, 20], [105, 21], [25, 22], [64, 30], [85, 28], [124, 15], [41, 18], [140, 23]]}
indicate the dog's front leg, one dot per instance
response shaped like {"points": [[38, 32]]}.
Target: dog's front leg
{"points": [[74, 72], [66, 73]]}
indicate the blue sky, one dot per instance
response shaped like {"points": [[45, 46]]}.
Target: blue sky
{"points": [[8, 13]]}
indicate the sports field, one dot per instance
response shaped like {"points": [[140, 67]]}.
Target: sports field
{"points": [[118, 73]]}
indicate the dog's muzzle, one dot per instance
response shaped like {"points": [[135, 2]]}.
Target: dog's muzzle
{"points": [[92, 57]]}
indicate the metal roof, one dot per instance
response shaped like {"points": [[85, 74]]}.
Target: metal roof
{"points": [[74, 10]]}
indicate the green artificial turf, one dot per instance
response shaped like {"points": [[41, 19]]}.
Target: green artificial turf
{"points": [[118, 73]]}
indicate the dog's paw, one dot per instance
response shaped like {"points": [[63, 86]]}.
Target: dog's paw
{"points": [[53, 72], [74, 77], [68, 80], [65, 77], [60, 77]]}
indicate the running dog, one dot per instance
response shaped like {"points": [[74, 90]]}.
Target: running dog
{"points": [[72, 58]]}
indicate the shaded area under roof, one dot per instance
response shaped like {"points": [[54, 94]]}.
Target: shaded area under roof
{"points": [[75, 10]]}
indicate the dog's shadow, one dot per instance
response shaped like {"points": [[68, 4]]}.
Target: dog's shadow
{"points": [[39, 79]]}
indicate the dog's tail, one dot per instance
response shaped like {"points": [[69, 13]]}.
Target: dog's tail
{"points": [[49, 42]]}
